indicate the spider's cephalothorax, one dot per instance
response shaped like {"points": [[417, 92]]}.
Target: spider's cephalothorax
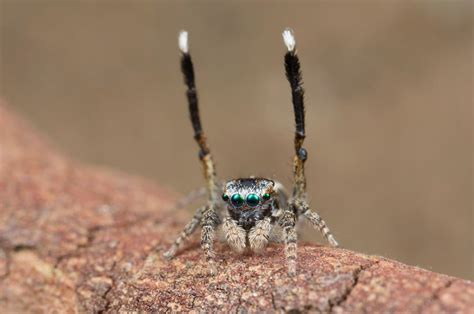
{"points": [[249, 200], [253, 206]]}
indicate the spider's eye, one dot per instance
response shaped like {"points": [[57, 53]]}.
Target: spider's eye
{"points": [[237, 200], [225, 197], [253, 199], [266, 196]]}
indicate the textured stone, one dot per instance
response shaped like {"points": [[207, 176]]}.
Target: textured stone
{"points": [[76, 238]]}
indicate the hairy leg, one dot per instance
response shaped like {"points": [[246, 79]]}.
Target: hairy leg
{"points": [[317, 222], [209, 223], [259, 235], [234, 234], [187, 231], [288, 223]]}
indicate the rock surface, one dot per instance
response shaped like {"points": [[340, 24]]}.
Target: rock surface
{"points": [[75, 238]]}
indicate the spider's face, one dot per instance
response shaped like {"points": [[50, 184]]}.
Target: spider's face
{"points": [[249, 200], [248, 194]]}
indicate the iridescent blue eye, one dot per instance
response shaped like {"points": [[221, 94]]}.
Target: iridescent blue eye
{"points": [[237, 200], [225, 197], [266, 196], [253, 199]]}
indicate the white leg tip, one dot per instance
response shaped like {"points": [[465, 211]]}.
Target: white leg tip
{"points": [[183, 41], [289, 39]]}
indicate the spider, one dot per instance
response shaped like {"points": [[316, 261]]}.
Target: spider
{"points": [[247, 209]]}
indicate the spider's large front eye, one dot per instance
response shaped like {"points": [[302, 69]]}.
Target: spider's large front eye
{"points": [[237, 200], [253, 199]]}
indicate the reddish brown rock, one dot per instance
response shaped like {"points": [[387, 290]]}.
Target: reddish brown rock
{"points": [[81, 239]]}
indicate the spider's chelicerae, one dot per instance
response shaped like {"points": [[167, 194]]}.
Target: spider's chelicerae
{"points": [[248, 208]]}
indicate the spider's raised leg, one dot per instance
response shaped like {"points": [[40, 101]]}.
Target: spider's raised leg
{"points": [[204, 153], [298, 199], [289, 216], [210, 219], [293, 74]]}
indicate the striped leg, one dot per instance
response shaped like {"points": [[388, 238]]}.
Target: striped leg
{"points": [[294, 76], [210, 219], [288, 222], [209, 223], [234, 234], [319, 223], [259, 235], [207, 162], [187, 231]]}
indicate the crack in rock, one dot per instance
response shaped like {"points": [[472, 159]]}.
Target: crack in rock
{"points": [[92, 233], [107, 301], [339, 300], [273, 301], [6, 257]]}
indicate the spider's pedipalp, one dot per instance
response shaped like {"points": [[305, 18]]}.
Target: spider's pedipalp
{"points": [[235, 235], [259, 234]]}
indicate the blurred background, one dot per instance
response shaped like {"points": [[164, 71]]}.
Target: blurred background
{"points": [[388, 95]]}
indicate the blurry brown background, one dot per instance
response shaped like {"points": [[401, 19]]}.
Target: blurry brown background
{"points": [[388, 93]]}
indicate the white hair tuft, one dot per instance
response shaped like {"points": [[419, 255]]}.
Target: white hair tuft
{"points": [[289, 39], [183, 41]]}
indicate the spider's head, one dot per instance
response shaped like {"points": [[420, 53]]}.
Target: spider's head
{"points": [[248, 193]]}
